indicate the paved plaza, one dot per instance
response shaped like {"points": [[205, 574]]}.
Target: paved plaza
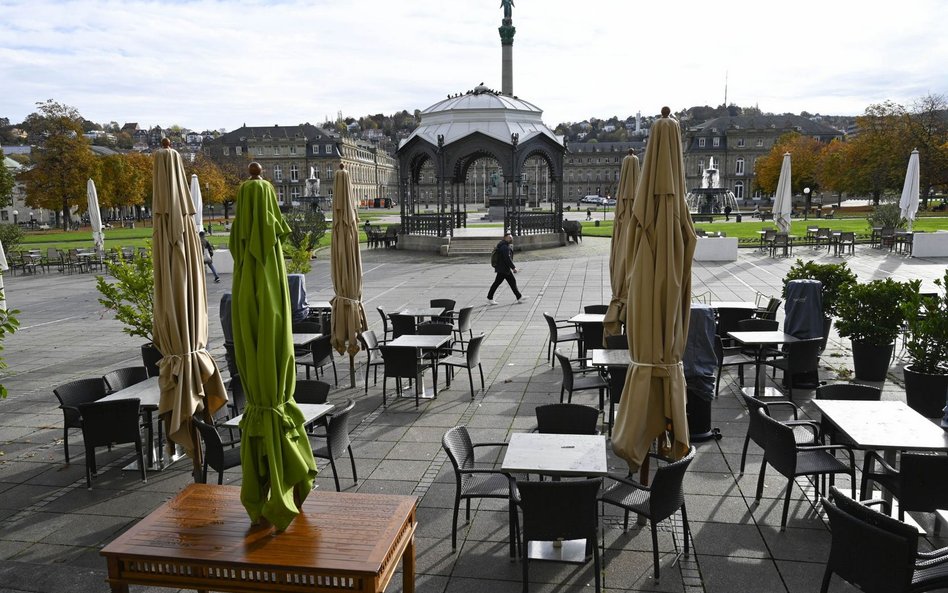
{"points": [[53, 527]]}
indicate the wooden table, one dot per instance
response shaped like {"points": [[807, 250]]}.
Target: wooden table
{"points": [[311, 413], [761, 339], [557, 455], [202, 539], [424, 342]]}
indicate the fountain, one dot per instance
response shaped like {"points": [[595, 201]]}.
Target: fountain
{"points": [[711, 198]]}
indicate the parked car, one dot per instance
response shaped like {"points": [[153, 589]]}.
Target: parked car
{"points": [[591, 200]]}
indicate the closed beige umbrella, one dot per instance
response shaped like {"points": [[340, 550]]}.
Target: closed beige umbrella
{"points": [[618, 262], [189, 379], [348, 315], [662, 240]]}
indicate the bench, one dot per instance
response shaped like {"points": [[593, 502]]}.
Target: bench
{"points": [[702, 218]]}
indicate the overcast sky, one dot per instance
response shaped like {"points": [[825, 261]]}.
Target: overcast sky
{"points": [[219, 64]]}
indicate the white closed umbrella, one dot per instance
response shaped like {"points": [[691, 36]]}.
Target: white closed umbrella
{"points": [[3, 268], [782, 201], [198, 200], [909, 202], [95, 218]]}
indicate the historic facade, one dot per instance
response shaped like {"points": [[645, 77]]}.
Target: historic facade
{"points": [[288, 154], [593, 168], [736, 142]]}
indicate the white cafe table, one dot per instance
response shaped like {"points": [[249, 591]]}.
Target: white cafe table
{"points": [[311, 413], [556, 455], [588, 318], [423, 342]]}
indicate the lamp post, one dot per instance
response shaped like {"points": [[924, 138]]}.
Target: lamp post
{"points": [[32, 220], [806, 201], [16, 215]]}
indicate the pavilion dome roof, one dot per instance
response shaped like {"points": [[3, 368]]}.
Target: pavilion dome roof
{"points": [[485, 111]]}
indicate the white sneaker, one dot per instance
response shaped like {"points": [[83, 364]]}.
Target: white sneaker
{"points": [[522, 299], [492, 302]]}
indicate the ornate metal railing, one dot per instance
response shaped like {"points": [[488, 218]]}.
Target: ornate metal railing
{"points": [[436, 225], [535, 223]]}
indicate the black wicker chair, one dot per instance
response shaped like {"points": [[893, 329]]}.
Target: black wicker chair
{"points": [[111, 423], [337, 441], [215, 455], [71, 395]]}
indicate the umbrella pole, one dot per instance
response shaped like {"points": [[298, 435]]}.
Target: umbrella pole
{"points": [[352, 375]]}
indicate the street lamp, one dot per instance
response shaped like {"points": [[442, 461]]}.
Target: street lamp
{"points": [[16, 214], [32, 219], [806, 201]]}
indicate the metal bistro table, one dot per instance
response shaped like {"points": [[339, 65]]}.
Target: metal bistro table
{"points": [[557, 455], [304, 340], [148, 393], [733, 305], [423, 342], [202, 539], [311, 413], [760, 340], [422, 312]]}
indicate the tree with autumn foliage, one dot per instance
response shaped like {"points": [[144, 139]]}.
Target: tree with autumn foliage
{"points": [[63, 160], [804, 157], [213, 185], [234, 171], [927, 130], [124, 180]]}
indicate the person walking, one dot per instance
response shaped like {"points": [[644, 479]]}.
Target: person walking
{"points": [[502, 260], [208, 250], [727, 213]]}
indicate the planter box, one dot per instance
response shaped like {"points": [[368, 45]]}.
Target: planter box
{"points": [[930, 244], [716, 249]]}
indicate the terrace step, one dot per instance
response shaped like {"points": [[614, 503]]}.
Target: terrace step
{"points": [[471, 246]]}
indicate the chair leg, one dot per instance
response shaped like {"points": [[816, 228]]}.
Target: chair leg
{"points": [[470, 380], [384, 383], [454, 520], [367, 365], [526, 568], [335, 377], [355, 476], [827, 574], [786, 505], [66, 442], [480, 370], [139, 450], [654, 547], [90, 463], [596, 566], [760, 480], [686, 530], [335, 474], [744, 451]]}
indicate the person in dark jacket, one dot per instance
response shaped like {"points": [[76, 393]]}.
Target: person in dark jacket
{"points": [[208, 250], [505, 270]]}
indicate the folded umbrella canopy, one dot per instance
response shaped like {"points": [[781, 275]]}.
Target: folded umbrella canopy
{"points": [[908, 204], [348, 314], [618, 262], [188, 376], [198, 203], [275, 454], [783, 197], [95, 218], [662, 240]]}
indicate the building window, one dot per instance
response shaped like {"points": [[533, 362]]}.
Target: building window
{"points": [[329, 172], [315, 148], [294, 172], [739, 169], [294, 193], [760, 142], [277, 173], [4, 215], [328, 149], [238, 150], [739, 190], [740, 143], [280, 193], [701, 142], [293, 149], [715, 142], [227, 151]]}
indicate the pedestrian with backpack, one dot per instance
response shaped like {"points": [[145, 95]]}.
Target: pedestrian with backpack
{"points": [[502, 261], [208, 250]]}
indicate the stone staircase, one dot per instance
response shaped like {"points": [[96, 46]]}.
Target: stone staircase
{"points": [[472, 245]]}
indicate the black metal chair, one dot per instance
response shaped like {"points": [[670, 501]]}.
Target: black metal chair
{"points": [[767, 312], [805, 432], [792, 460], [448, 305], [151, 357], [399, 362], [402, 325], [320, 355], [567, 419], [596, 309], [798, 358], [311, 392], [370, 345], [124, 377], [337, 441], [559, 510], [781, 241], [729, 357], [656, 502], [877, 553], [556, 337], [728, 319], [111, 423], [617, 375], [215, 455], [238, 400], [619, 342], [471, 481], [847, 240], [71, 395], [466, 359], [920, 482], [386, 330], [580, 379]]}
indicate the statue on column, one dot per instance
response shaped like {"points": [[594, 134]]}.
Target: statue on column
{"points": [[507, 5]]}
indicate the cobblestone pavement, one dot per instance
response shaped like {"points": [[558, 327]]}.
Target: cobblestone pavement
{"points": [[54, 527]]}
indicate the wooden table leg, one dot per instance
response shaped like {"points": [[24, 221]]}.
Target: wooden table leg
{"points": [[408, 566]]}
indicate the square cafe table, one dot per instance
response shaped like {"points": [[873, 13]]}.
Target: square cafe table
{"points": [[202, 539], [421, 312], [148, 394], [612, 357], [761, 339], [588, 318], [557, 455], [425, 342], [304, 340], [311, 413]]}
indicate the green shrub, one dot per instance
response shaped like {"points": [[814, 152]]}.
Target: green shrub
{"points": [[8, 325], [926, 319], [12, 236], [886, 215], [300, 258], [871, 313]]}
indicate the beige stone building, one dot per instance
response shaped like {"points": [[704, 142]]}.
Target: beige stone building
{"points": [[593, 168]]}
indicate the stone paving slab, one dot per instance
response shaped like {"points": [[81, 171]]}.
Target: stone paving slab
{"points": [[54, 527]]}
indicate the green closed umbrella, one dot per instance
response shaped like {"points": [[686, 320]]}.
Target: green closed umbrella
{"points": [[618, 255], [275, 454]]}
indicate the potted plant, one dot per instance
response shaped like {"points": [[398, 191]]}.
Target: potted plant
{"points": [[926, 341], [871, 317], [833, 277], [131, 297]]}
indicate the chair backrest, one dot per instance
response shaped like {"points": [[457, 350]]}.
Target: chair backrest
{"points": [[474, 351], [151, 357], [434, 329], [464, 319], [923, 482], [592, 334], [770, 312], [311, 392], [780, 448], [213, 446], [306, 327], [567, 419], [384, 316], [338, 430], [597, 309], [667, 493], [567, 369], [321, 349], [552, 325], [869, 549], [781, 239], [619, 342], [769, 234], [399, 361], [617, 376], [756, 429], [823, 232], [402, 325], [757, 325], [105, 423], [729, 318], [847, 237], [238, 398], [448, 304], [230, 357], [74, 393], [849, 391], [124, 377], [457, 444], [804, 355], [369, 342], [566, 509]]}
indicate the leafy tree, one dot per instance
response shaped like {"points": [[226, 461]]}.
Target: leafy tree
{"points": [[879, 152], [131, 295], [124, 180], [927, 130], [887, 214], [214, 186], [11, 235], [234, 171], [7, 181], [804, 158]]}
